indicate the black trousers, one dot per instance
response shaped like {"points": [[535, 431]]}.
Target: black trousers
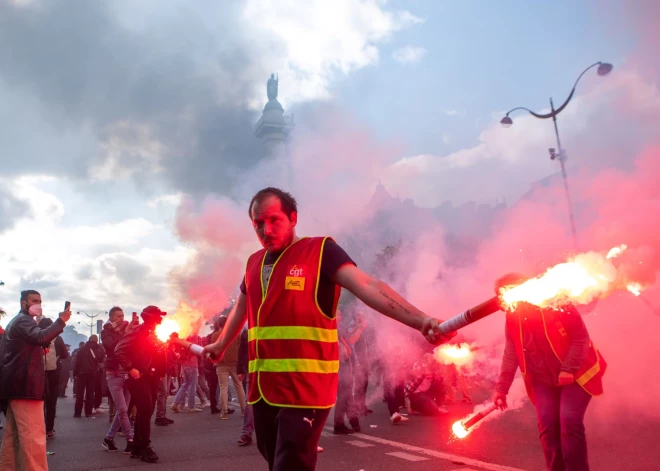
{"points": [[50, 404], [64, 381], [143, 395], [86, 390], [287, 437], [394, 393], [212, 380]]}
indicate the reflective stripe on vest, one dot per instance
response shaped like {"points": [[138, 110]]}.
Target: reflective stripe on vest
{"points": [[292, 333], [293, 365]]}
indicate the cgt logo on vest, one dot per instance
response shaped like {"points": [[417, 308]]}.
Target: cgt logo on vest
{"points": [[295, 279]]}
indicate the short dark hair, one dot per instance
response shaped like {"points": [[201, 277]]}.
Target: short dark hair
{"points": [[26, 293], [289, 204], [114, 309]]}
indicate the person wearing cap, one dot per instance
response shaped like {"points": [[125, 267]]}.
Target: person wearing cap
{"points": [[289, 298], [143, 356]]}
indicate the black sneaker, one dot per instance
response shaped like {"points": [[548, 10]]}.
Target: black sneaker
{"points": [[50, 435], [129, 447], [162, 421], [342, 429], [109, 445], [230, 411], [169, 420], [245, 440], [148, 455]]}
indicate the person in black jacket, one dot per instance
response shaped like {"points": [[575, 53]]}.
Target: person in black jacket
{"points": [[86, 370], [22, 385], [55, 350], [117, 378], [144, 357]]}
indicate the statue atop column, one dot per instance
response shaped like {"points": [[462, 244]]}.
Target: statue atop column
{"points": [[271, 87]]}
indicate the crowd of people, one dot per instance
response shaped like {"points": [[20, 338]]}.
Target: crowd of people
{"points": [[297, 358]]}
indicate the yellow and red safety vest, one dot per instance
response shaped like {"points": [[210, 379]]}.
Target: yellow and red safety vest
{"points": [[591, 372], [292, 345]]}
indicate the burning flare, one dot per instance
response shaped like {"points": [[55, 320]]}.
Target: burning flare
{"points": [[462, 428], [580, 280], [185, 322], [458, 355], [459, 429], [167, 327]]}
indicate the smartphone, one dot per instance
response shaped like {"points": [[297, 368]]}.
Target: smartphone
{"points": [[67, 305]]}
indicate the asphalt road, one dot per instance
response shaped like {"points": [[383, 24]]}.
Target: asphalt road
{"points": [[202, 441]]}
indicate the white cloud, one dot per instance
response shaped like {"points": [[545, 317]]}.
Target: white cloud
{"points": [[409, 54], [322, 39], [172, 199], [94, 266]]}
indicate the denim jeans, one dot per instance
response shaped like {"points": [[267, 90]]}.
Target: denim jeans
{"points": [[118, 388], [189, 387], [560, 412], [248, 420]]}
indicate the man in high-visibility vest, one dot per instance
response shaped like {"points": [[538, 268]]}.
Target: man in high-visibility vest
{"points": [[562, 370], [289, 297]]}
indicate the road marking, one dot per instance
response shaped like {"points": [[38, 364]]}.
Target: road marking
{"points": [[360, 444], [436, 454], [407, 456]]}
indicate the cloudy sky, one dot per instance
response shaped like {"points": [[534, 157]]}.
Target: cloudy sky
{"points": [[117, 116]]}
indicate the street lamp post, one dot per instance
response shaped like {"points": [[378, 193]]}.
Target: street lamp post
{"points": [[91, 316], [559, 153]]}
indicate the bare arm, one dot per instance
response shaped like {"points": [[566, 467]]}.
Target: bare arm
{"points": [[232, 329], [380, 297]]}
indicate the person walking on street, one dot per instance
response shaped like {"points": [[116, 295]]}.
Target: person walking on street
{"points": [[86, 370], [289, 296], [225, 369], [562, 371], [144, 357], [345, 405], [190, 367], [74, 357], [164, 388], [117, 379], [242, 369], [22, 385]]}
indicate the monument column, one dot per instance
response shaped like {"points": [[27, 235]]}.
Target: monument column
{"points": [[274, 127]]}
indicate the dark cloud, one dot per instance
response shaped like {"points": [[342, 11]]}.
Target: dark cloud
{"points": [[129, 78], [129, 270], [11, 209]]}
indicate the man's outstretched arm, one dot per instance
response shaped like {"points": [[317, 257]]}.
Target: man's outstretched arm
{"points": [[232, 329], [380, 297]]}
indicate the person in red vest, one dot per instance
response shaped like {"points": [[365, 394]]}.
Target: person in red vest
{"points": [[289, 298], [562, 370]]}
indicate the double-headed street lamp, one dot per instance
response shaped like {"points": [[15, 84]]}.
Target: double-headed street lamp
{"points": [[560, 154], [91, 316]]}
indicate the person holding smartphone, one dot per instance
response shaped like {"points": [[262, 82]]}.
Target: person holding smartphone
{"points": [[22, 385]]}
